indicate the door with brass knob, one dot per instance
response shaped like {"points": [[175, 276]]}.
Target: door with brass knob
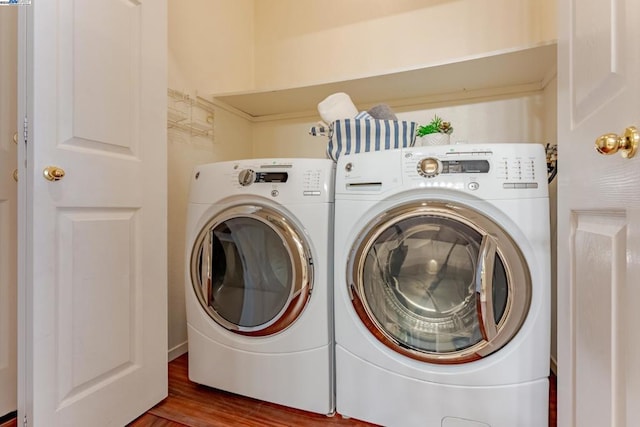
{"points": [[598, 213], [626, 144], [53, 173], [94, 251]]}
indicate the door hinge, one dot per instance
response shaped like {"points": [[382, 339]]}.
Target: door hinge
{"points": [[25, 129], [24, 421]]}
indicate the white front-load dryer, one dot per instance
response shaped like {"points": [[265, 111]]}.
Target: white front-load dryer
{"points": [[259, 280], [442, 277]]}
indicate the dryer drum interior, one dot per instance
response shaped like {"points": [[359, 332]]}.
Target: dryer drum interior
{"points": [[439, 282], [251, 270]]}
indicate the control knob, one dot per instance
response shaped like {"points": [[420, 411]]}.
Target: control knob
{"points": [[429, 167], [246, 177]]}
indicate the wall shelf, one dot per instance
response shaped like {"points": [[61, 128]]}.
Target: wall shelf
{"points": [[509, 71]]}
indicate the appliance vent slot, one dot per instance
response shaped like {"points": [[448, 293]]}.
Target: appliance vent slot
{"points": [[367, 186]]}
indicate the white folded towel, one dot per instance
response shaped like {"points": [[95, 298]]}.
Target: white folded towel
{"points": [[336, 107]]}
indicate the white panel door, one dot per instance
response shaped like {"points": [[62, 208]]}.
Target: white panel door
{"points": [[8, 207], [598, 215], [92, 294]]}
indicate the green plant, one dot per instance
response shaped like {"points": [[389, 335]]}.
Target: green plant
{"points": [[436, 125]]}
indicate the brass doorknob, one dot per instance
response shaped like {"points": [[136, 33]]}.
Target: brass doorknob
{"points": [[53, 173], [15, 175], [627, 144]]}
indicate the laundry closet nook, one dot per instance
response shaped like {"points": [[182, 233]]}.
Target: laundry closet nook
{"points": [[245, 78]]}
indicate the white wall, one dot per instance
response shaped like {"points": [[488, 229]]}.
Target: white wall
{"points": [[211, 45], [287, 138], [502, 119], [338, 39], [210, 49], [303, 42]]}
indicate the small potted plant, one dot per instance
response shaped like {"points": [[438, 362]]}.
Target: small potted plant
{"points": [[436, 132]]}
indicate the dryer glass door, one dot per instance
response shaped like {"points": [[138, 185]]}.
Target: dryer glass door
{"points": [[251, 270], [439, 282]]}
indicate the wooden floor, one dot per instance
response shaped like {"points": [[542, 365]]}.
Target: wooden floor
{"points": [[193, 405], [8, 423]]}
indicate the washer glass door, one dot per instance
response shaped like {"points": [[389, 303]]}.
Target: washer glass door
{"points": [[251, 270], [439, 282]]}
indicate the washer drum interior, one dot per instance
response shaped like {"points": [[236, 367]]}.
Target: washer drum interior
{"points": [[439, 282]]}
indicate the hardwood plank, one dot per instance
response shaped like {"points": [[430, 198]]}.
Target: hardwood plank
{"points": [[9, 420], [149, 420], [553, 408], [11, 423]]}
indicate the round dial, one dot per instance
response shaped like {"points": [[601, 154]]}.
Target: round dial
{"points": [[429, 167], [246, 177]]}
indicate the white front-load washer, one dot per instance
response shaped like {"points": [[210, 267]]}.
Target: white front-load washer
{"points": [[259, 280], [442, 286]]}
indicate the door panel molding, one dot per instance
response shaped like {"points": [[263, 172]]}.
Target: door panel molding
{"points": [[598, 290], [105, 115], [597, 47]]}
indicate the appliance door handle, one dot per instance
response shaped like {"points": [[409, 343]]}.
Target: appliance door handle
{"points": [[205, 267], [484, 287]]}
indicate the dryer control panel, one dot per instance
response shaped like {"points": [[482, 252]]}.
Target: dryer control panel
{"points": [[286, 180], [249, 176]]}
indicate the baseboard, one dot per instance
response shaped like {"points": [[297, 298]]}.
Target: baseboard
{"points": [[178, 351], [554, 366]]}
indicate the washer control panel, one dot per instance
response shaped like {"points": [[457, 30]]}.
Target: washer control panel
{"points": [[475, 168], [505, 170]]}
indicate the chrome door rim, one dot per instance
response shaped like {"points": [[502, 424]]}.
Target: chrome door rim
{"points": [[299, 256], [516, 269]]}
